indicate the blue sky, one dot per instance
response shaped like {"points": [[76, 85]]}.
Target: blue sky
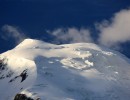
{"points": [[105, 22]]}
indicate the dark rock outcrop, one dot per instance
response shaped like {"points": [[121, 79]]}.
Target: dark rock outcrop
{"points": [[22, 97]]}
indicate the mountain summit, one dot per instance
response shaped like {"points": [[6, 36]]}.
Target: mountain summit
{"points": [[80, 71]]}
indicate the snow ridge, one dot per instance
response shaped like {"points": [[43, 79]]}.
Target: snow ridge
{"points": [[80, 71]]}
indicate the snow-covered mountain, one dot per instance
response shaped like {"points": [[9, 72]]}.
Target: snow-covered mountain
{"points": [[80, 71]]}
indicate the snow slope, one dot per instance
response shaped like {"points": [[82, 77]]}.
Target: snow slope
{"points": [[81, 71]]}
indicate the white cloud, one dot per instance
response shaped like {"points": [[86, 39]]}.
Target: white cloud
{"points": [[115, 31], [111, 32], [12, 32], [71, 35]]}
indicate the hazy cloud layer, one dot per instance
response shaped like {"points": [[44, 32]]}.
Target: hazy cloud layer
{"points": [[12, 32], [115, 31], [71, 35], [111, 32]]}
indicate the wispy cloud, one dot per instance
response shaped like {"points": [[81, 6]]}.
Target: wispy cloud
{"points": [[111, 32], [115, 31], [71, 35], [12, 32]]}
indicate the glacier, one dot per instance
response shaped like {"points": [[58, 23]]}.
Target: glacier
{"points": [[78, 71]]}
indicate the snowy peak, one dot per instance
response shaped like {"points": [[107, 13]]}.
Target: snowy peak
{"points": [[31, 42], [80, 71]]}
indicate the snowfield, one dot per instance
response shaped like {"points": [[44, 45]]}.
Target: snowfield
{"points": [[80, 71]]}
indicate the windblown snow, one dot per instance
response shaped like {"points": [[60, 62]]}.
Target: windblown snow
{"points": [[80, 71]]}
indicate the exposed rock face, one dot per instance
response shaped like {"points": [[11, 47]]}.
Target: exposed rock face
{"points": [[22, 97], [16, 74]]}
